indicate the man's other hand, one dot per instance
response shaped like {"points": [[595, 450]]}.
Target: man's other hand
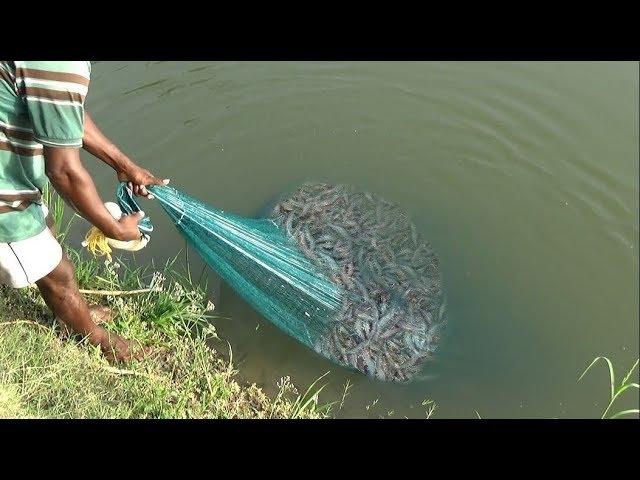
{"points": [[138, 178]]}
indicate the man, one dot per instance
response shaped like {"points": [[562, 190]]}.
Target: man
{"points": [[43, 125]]}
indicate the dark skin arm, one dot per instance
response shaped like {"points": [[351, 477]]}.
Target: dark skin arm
{"points": [[74, 184], [98, 145]]}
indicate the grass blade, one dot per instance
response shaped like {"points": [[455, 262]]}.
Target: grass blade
{"points": [[611, 372], [626, 412], [630, 372]]}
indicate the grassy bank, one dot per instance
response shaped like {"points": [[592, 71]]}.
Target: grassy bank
{"points": [[47, 373]]}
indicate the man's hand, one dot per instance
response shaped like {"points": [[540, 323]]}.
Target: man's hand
{"points": [[128, 227], [137, 178]]}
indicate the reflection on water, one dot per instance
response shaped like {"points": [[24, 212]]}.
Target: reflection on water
{"points": [[523, 177]]}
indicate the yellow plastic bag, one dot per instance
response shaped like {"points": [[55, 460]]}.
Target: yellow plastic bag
{"points": [[100, 245]]}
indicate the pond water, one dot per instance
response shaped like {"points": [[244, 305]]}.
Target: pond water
{"points": [[522, 175]]}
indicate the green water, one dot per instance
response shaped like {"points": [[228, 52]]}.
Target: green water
{"points": [[523, 176]]}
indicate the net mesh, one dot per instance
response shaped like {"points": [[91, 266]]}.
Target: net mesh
{"points": [[346, 273], [259, 263]]}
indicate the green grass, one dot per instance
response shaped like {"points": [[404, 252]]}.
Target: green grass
{"points": [[47, 373], [58, 212], [615, 391]]}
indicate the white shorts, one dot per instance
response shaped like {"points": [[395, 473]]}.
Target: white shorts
{"points": [[27, 261]]}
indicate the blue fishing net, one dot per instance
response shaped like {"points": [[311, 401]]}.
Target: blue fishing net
{"points": [[128, 206], [344, 272]]}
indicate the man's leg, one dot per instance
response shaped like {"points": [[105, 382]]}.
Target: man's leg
{"points": [[99, 313], [60, 292]]}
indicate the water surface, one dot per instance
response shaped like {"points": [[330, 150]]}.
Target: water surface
{"points": [[523, 176]]}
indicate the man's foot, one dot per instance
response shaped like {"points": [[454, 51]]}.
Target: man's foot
{"points": [[100, 314], [60, 292], [117, 349]]}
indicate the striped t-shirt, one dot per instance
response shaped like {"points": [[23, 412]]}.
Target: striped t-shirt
{"points": [[41, 103]]}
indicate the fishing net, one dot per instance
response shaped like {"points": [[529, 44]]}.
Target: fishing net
{"points": [[344, 272]]}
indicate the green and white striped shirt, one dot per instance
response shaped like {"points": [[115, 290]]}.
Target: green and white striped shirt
{"points": [[41, 103]]}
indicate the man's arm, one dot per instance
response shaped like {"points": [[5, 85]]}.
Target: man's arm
{"points": [[98, 145], [74, 184]]}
